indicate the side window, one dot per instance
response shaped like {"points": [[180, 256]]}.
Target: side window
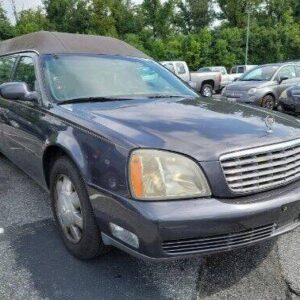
{"points": [[241, 70], [25, 72], [297, 71], [6, 65], [180, 68], [170, 67], [288, 71], [233, 70]]}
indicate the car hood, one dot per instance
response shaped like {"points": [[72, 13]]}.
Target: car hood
{"points": [[201, 128], [246, 85]]}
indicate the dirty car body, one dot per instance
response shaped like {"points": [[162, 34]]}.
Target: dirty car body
{"points": [[226, 181]]}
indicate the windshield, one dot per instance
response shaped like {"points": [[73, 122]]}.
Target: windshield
{"points": [[91, 76], [264, 73]]}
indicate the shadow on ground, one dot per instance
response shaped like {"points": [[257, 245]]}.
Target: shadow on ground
{"points": [[55, 274]]}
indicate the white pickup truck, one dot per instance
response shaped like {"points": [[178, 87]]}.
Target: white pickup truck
{"points": [[235, 73], [203, 82]]}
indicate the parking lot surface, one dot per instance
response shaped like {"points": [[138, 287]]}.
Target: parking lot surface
{"points": [[35, 265]]}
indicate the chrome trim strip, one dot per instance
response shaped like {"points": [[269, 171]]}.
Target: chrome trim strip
{"points": [[259, 150]]}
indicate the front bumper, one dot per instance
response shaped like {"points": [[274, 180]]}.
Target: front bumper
{"points": [[174, 229], [243, 97]]}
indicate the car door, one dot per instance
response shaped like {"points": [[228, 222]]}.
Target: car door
{"points": [[288, 72], [24, 131], [6, 67]]}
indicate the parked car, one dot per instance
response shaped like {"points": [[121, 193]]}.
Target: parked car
{"points": [[204, 83], [263, 85], [225, 77], [238, 71], [134, 158], [289, 101]]}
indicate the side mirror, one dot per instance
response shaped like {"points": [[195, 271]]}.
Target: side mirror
{"points": [[236, 79], [282, 78], [17, 91]]}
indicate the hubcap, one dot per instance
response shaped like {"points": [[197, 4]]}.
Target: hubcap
{"points": [[68, 209], [207, 92]]}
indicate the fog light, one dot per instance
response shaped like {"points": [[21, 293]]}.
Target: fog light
{"points": [[124, 235]]}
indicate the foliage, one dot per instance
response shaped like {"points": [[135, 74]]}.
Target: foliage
{"points": [[176, 29]]}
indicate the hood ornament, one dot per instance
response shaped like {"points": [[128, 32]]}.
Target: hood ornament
{"points": [[269, 121]]}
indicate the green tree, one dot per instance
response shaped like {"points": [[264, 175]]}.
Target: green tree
{"points": [[193, 15], [235, 12], [31, 20], [102, 20], [158, 17], [6, 29]]}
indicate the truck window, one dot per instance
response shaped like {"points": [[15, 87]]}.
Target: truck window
{"points": [[180, 68], [241, 70], [25, 72], [233, 70], [6, 65], [170, 67]]}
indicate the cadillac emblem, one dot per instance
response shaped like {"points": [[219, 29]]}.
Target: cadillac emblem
{"points": [[269, 121]]}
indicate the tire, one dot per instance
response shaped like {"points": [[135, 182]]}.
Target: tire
{"points": [[206, 90], [268, 102], [90, 245]]}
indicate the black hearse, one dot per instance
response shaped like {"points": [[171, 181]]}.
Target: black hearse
{"points": [[134, 158]]}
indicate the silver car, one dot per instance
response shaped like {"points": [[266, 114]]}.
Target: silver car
{"points": [[264, 84]]}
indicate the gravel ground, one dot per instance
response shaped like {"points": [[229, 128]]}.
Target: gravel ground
{"points": [[35, 265]]}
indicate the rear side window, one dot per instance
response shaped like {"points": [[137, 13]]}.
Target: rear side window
{"points": [[170, 67], [6, 66], [180, 68], [241, 70], [25, 72]]}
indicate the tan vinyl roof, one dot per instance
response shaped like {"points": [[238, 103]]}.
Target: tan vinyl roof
{"points": [[45, 42]]}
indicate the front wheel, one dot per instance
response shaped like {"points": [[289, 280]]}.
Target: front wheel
{"points": [[73, 212], [206, 90], [268, 102]]}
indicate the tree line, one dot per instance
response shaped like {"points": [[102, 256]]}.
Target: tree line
{"points": [[201, 32]]}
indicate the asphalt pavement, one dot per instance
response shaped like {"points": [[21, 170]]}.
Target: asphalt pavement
{"points": [[35, 265]]}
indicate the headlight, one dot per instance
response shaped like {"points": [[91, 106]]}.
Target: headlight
{"points": [[162, 175], [252, 91]]}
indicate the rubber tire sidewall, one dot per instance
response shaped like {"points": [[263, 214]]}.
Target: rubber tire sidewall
{"points": [[90, 245]]}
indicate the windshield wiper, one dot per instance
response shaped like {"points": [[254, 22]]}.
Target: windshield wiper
{"points": [[92, 99], [251, 79], [159, 96]]}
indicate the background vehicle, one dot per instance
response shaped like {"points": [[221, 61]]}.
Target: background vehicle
{"points": [[289, 101], [264, 84], [203, 82], [238, 71], [225, 78]]}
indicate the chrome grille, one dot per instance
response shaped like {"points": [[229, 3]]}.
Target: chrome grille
{"points": [[219, 242], [263, 167]]}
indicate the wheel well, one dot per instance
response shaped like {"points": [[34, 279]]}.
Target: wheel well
{"points": [[51, 154], [270, 94], [210, 82]]}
